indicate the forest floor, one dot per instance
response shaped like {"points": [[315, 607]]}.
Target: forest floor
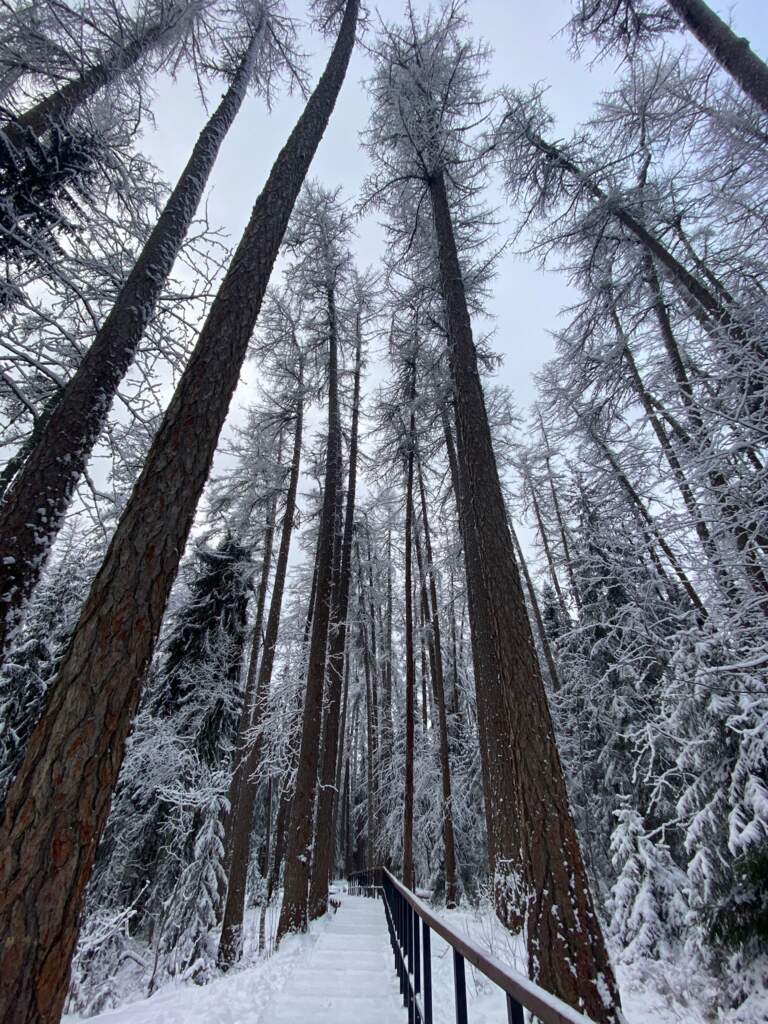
{"points": [[652, 992]]}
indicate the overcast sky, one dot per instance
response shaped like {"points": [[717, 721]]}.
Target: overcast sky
{"points": [[529, 44]]}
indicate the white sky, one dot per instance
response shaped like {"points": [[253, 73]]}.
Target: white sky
{"points": [[529, 45]]}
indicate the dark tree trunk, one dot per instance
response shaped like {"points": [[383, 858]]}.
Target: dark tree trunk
{"points": [[370, 810], [534, 843], [732, 52], [385, 718], [57, 806], [340, 762], [410, 669], [347, 822], [34, 505], [438, 682], [322, 861], [294, 913], [244, 786], [267, 868]]}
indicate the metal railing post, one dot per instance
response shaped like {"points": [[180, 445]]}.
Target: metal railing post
{"points": [[460, 988], [514, 1011], [427, 947]]}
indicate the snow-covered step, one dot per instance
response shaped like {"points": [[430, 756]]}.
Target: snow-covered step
{"points": [[348, 977]]}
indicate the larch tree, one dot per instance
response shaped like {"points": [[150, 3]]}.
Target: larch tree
{"points": [[427, 90], [158, 27], [630, 24], [38, 496], [76, 750]]}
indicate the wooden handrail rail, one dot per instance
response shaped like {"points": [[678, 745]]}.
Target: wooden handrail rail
{"points": [[547, 1007]]}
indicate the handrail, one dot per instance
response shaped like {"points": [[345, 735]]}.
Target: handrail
{"points": [[521, 992]]}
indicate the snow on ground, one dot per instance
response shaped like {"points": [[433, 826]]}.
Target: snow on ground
{"points": [[652, 992]]}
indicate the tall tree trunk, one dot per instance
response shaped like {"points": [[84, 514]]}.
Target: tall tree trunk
{"points": [[535, 839], [732, 52], [294, 916], [410, 667], [385, 759], [59, 106], [57, 806], [34, 505], [244, 786], [438, 682], [322, 861]]}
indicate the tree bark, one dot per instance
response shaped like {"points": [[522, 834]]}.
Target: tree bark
{"points": [[244, 785], [57, 806], [732, 52], [34, 505], [535, 839], [322, 861]]}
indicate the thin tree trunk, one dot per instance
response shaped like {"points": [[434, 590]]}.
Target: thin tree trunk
{"points": [[438, 682], [266, 898], [535, 839], [554, 675], [560, 521], [410, 668], [732, 52], [57, 806], [371, 838], [322, 860], [545, 542], [347, 822], [34, 505], [243, 782], [340, 761]]}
